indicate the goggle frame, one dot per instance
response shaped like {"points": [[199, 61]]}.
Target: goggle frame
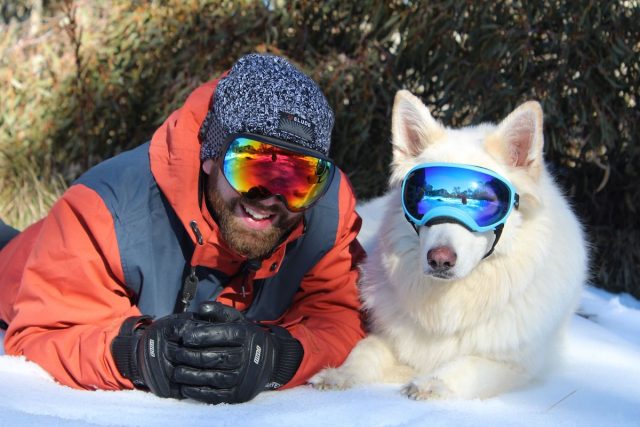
{"points": [[285, 145], [441, 214]]}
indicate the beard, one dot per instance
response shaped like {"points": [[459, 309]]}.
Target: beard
{"points": [[253, 244]]}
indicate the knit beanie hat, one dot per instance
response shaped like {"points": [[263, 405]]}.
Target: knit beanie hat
{"points": [[266, 95]]}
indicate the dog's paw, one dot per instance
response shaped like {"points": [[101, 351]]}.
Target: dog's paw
{"points": [[429, 388], [331, 379]]}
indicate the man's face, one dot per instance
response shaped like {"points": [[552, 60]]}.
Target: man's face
{"points": [[251, 228]]}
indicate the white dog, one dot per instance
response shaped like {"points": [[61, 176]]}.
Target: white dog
{"points": [[447, 320]]}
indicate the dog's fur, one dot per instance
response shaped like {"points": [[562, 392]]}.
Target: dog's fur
{"points": [[494, 323]]}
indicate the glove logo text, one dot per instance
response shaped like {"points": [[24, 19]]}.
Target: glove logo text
{"points": [[152, 348], [256, 358]]}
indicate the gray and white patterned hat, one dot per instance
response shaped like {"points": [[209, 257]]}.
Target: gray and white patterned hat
{"points": [[266, 95]]}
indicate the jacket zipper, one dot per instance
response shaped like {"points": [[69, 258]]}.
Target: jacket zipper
{"points": [[190, 283], [250, 266]]}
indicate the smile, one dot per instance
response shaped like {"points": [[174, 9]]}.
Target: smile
{"points": [[255, 214], [255, 218]]}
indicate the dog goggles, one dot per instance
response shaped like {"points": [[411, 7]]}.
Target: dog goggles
{"points": [[259, 167], [476, 197]]}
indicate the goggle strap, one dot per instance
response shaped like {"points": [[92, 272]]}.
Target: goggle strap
{"points": [[498, 233], [415, 227]]}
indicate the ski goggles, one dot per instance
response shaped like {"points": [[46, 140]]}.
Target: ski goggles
{"points": [[259, 167], [476, 197]]}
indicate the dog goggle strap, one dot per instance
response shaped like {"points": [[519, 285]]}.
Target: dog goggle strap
{"points": [[259, 167]]}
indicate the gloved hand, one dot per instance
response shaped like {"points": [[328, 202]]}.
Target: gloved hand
{"points": [[215, 355]]}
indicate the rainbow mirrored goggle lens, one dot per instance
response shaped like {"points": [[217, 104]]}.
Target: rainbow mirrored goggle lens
{"points": [[477, 197], [259, 167]]}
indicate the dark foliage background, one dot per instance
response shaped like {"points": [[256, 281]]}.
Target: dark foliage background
{"points": [[125, 65]]}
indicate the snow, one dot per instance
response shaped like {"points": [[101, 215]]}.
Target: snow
{"points": [[596, 384]]}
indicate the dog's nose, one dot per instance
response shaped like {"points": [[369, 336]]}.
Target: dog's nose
{"points": [[441, 258]]}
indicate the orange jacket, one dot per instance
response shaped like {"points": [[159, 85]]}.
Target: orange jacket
{"points": [[64, 295]]}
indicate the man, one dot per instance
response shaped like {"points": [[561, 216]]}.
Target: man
{"points": [[215, 262]]}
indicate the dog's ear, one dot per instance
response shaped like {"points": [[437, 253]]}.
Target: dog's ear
{"points": [[518, 140], [412, 126]]}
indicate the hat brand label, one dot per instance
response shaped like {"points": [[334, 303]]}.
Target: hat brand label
{"points": [[296, 125], [301, 121]]}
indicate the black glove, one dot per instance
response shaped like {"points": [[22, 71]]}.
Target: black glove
{"points": [[215, 355]]}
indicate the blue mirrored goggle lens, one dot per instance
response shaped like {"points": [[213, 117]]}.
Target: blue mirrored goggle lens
{"points": [[483, 197]]}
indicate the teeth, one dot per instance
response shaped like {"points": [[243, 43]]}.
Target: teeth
{"points": [[254, 214]]}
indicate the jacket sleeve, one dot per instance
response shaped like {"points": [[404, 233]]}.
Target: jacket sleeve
{"points": [[325, 316], [71, 300]]}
